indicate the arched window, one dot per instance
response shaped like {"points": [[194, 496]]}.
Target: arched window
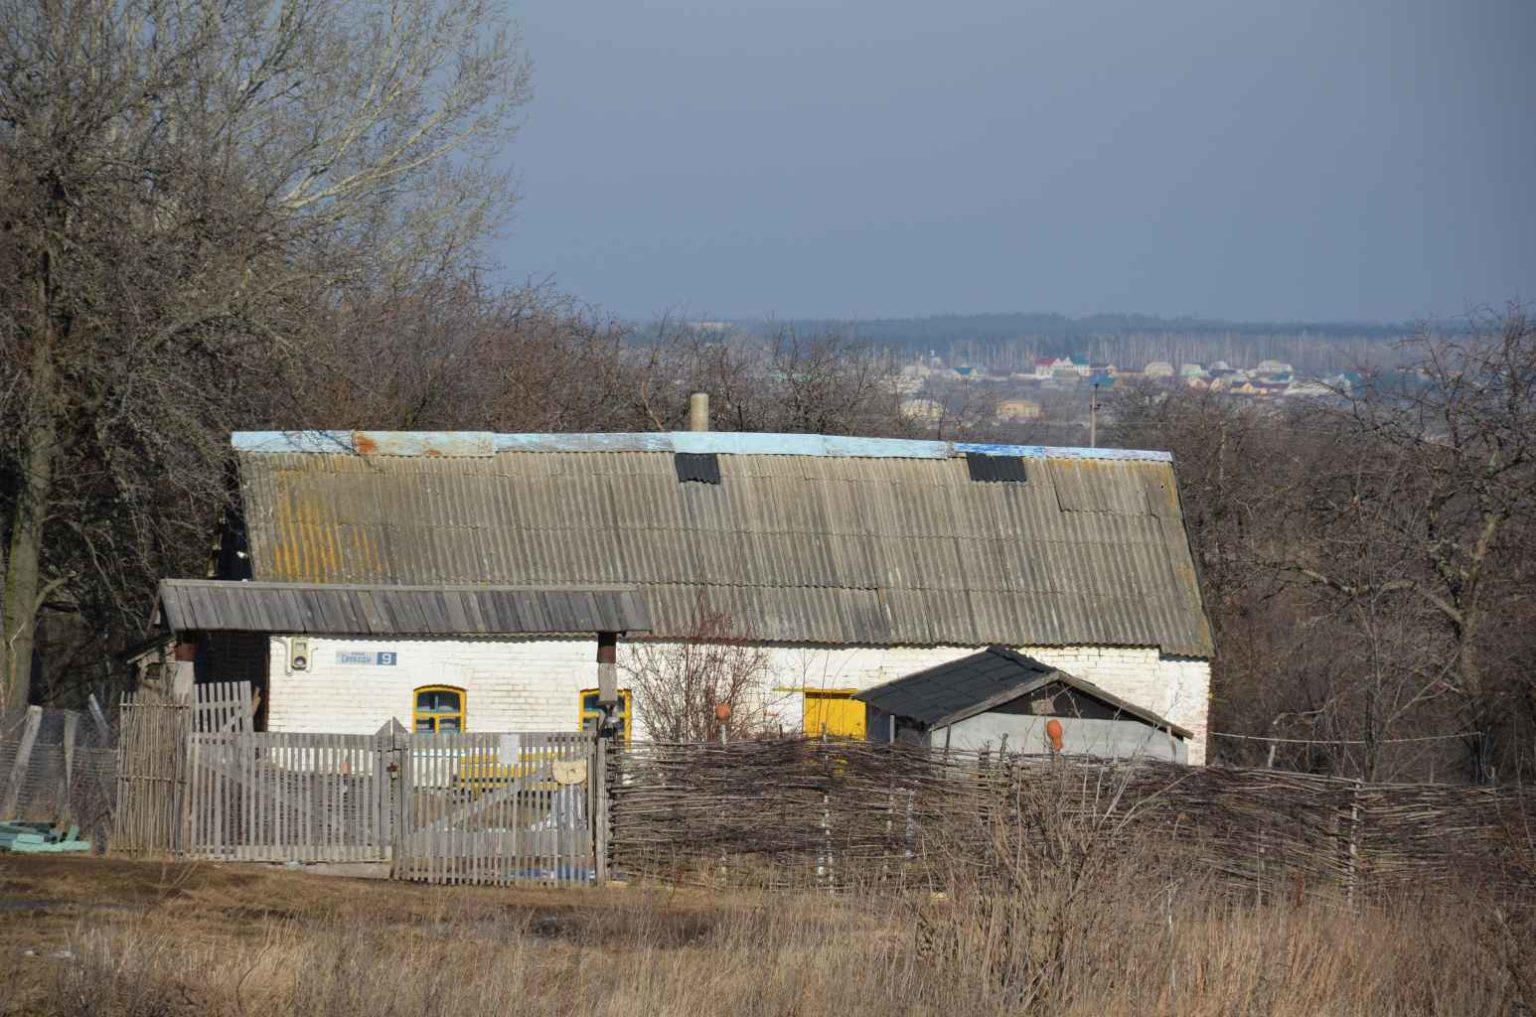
{"points": [[438, 708]]}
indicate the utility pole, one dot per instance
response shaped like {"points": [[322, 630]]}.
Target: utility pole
{"points": [[1093, 417]]}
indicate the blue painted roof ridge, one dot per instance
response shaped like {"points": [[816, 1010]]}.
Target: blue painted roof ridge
{"points": [[454, 444]]}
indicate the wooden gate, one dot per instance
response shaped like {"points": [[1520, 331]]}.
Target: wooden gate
{"points": [[151, 772], [442, 808], [276, 797], [499, 808]]}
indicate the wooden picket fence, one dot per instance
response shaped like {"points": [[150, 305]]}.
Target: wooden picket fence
{"points": [[287, 797], [561, 807], [439, 808], [223, 706]]}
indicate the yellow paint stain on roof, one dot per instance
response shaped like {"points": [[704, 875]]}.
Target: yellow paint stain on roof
{"points": [[364, 551], [307, 547]]}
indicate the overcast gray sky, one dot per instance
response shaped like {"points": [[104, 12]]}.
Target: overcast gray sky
{"points": [[1292, 159]]}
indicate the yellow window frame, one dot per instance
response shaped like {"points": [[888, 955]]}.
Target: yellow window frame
{"points": [[418, 714], [625, 711]]}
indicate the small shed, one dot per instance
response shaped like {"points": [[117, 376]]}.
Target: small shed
{"points": [[977, 702]]}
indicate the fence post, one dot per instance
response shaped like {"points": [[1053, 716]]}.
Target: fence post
{"points": [[828, 869], [12, 793], [383, 800], [400, 788], [182, 724], [597, 778], [125, 734], [103, 731], [67, 782], [1352, 867]]}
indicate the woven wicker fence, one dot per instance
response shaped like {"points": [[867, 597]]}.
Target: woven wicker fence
{"points": [[849, 814]]}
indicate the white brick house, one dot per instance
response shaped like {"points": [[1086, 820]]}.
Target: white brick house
{"points": [[851, 561]]}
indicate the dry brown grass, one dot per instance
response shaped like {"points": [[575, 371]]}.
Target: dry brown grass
{"points": [[150, 940]]}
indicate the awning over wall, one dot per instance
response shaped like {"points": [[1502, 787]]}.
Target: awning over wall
{"points": [[210, 605]]}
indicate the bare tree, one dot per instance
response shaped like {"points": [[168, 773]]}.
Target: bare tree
{"points": [[1367, 562], [1444, 464], [789, 382], [189, 187], [454, 354], [681, 688]]}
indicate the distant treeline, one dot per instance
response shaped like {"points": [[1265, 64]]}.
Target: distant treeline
{"points": [[947, 328], [1011, 342]]}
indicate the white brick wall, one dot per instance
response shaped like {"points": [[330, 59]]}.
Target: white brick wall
{"points": [[534, 684], [510, 684]]}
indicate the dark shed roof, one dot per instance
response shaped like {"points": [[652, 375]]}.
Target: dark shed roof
{"points": [[949, 693], [209, 605], [805, 539]]}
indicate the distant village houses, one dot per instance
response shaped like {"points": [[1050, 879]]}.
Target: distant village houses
{"points": [[1269, 379], [1016, 410], [1048, 368]]}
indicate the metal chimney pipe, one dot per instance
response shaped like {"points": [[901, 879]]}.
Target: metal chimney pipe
{"points": [[698, 411]]}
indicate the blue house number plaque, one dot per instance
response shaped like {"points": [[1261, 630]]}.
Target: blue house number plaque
{"points": [[383, 658]]}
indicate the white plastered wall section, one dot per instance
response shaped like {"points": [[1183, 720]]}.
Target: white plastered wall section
{"points": [[509, 684], [535, 684]]}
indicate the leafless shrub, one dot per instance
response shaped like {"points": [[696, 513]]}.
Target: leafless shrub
{"points": [[1034, 881], [713, 683]]}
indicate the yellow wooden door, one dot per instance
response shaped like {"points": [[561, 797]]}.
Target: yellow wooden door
{"points": [[837, 710]]}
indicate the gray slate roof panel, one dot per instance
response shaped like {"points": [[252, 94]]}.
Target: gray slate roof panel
{"points": [[210, 605], [876, 550]]}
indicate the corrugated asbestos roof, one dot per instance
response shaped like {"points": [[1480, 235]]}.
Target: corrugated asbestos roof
{"points": [[807, 538], [210, 605], [949, 693], [941, 694]]}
